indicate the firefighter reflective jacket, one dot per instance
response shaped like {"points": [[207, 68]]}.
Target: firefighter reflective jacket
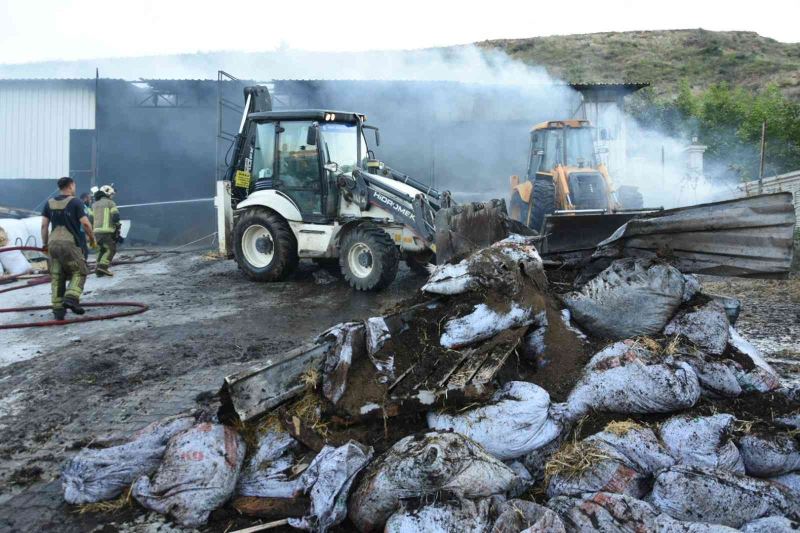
{"points": [[106, 216]]}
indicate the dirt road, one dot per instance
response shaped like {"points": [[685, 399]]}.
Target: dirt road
{"points": [[61, 387]]}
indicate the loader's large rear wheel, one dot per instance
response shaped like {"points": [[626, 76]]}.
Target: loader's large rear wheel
{"points": [[544, 202], [266, 249], [368, 258]]}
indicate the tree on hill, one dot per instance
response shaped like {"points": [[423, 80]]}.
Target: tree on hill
{"points": [[728, 120]]}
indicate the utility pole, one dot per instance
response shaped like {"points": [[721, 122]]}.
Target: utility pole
{"points": [[761, 163]]}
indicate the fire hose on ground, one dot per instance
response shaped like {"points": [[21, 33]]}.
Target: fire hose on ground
{"points": [[137, 308]]}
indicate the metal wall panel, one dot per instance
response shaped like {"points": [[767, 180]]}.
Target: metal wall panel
{"points": [[36, 117]]}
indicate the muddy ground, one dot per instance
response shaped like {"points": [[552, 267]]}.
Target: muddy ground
{"points": [[62, 387]]}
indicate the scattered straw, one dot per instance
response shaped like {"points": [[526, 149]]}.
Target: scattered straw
{"points": [[743, 426], [573, 459], [672, 346], [310, 378], [621, 428], [111, 506], [649, 343], [307, 408]]}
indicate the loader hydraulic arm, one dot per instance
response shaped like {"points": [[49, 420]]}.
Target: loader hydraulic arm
{"points": [[417, 212]]}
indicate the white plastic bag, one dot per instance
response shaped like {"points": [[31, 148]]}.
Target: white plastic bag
{"points": [[95, 475], [767, 456], [702, 441], [483, 323], [758, 376], [706, 326], [631, 297], [633, 382], [422, 465], [327, 480], [450, 517], [719, 496], [197, 475], [268, 473], [772, 524], [522, 515], [515, 422]]}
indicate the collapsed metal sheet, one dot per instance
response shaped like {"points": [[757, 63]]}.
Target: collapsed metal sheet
{"points": [[750, 236], [260, 388]]}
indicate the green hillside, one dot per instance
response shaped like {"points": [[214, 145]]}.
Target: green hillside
{"points": [[663, 58]]}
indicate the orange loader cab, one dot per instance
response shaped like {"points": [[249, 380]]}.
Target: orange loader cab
{"points": [[563, 175]]}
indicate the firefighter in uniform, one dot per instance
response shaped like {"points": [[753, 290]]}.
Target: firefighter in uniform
{"points": [[64, 245], [106, 227]]}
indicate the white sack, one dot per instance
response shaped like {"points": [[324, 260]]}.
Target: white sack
{"points": [[628, 384], [515, 516], [616, 513], [706, 326], [33, 227], [762, 377], [327, 480], [790, 481], [637, 447], [346, 337], [14, 263], [767, 456], [268, 473], [462, 516], [423, 465], [631, 297], [515, 422], [95, 475], [717, 378], [197, 475], [719, 496], [483, 323], [772, 524], [605, 475], [702, 441]]}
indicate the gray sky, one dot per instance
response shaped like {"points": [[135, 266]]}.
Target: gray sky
{"points": [[36, 30]]}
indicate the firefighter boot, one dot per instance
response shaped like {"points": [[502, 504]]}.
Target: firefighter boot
{"points": [[71, 303]]}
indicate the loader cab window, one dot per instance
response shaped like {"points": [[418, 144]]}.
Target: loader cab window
{"points": [[299, 168], [340, 145], [579, 147], [264, 153], [546, 150]]}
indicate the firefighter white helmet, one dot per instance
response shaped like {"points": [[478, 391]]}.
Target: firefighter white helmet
{"points": [[108, 190]]}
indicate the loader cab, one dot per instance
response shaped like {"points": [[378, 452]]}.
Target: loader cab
{"points": [[568, 143], [291, 152]]}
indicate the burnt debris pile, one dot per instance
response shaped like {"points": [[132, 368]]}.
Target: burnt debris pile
{"points": [[492, 401]]}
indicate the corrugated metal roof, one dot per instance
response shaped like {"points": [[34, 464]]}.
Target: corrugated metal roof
{"points": [[750, 236]]}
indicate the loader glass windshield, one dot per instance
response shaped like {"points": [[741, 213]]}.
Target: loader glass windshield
{"points": [[298, 167], [340, 145], [579, 147]]}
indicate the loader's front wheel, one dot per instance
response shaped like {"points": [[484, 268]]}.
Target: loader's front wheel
{"points": [[266, 249], [368, 258], [543, 197]]}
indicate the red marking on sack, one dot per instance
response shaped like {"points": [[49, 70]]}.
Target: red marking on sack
{"points": [[205, 427], [191, 456], [620, 480]]}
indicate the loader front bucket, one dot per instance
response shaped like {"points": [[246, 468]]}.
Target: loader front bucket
{"points": [[462, 229], [576, 231]]}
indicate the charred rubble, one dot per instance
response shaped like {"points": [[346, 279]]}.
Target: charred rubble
{"points": [[493, 400]]}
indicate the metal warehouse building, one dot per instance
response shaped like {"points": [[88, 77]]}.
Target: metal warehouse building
{"points": [[166, 140]]}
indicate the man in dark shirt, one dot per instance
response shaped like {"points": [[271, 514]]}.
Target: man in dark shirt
{"points": [[64, 246]]}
